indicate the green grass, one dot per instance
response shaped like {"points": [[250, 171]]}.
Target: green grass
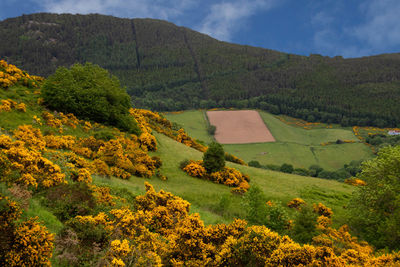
{"points": [[205, 196], [45, 216], [331, 157], [294, 145], [290, 134], [194, 122]]}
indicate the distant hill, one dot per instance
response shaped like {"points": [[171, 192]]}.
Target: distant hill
{"points": [[166, 67]]}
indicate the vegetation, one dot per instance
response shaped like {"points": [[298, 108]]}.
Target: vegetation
{"points": [[194, 122], [214, 158], [190, 70], [382, 140], [213, 168], [375, 206], [90, 93], [294, 144], [92, 211]]}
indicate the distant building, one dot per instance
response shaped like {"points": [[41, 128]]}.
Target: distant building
{"points": [[393, 133]]}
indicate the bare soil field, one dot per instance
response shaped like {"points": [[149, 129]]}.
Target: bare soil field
{"points": [[239, 127]]}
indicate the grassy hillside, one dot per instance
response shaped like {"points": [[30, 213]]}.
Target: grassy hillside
{"points": [[166, 67], [205, 196], [294, 145], [72, 194]]}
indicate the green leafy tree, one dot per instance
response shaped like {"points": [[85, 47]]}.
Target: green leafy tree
{"points": [[375, 207], [214, 158], [90, 93]]}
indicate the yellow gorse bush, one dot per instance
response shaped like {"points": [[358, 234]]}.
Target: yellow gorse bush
{"points": [[9, 104], [161, 231], [227, 176], [296, 203], [10, 75], [24, 157], [25, 243], [355, 181]]}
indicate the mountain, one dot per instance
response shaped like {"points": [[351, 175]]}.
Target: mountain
{"points": [[166, 67]]}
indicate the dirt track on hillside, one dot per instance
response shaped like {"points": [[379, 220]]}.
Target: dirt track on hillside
{"points": [[239, 127]]}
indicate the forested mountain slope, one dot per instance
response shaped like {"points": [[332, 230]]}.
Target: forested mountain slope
{"points": [[166, 67]]}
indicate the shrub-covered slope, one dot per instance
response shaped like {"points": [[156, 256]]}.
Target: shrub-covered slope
{"points": [[69, 197], [166, 67]]}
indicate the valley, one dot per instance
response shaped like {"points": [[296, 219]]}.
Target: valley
{"points": [[294, 145], [149, 144]]}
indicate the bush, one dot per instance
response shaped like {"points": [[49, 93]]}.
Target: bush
{"points": [[183, 163], [211, 129], [157, 161], [288, 168], [69, 200], [89, 92], [315, 170], [255, 164], [255, 205], [304, 228], [273, 216], [272, 167], [301, 171], [105, 135], [214, 158]]}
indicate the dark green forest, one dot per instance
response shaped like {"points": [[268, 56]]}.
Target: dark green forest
{"points": [[165, 67]]}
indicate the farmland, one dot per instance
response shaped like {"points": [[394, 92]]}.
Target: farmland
{"points": [[294, 144], [239, 127]]}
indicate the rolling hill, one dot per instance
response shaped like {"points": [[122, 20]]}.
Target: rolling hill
{"points": [[166, 67], [71, 194]]}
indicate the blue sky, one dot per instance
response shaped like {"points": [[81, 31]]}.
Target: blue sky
{"points": [[351, 28]]}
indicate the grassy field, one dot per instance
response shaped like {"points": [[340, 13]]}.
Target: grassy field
{"points": [[290, 134], [205, 196], [194, 122], [295, 145]]}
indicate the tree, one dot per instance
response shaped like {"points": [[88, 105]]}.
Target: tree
{"points": [[90, 93], [376, 206], [214, 158], [288, 168]]}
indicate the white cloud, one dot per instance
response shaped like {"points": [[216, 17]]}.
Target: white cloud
{"points": [[377, 32], [382, 27], [161, 9], [226, 17]]}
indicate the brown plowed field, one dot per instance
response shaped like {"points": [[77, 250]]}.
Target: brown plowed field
{"points": [[239, 127]]}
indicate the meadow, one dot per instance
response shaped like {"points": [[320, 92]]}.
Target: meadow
{"points": [[206, 197], [294, 145]]}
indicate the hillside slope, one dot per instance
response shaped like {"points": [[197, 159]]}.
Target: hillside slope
{"points": [[69, 197], [166, 67]]}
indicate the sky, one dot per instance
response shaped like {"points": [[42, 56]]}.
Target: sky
{"points": [[349, 28]]}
